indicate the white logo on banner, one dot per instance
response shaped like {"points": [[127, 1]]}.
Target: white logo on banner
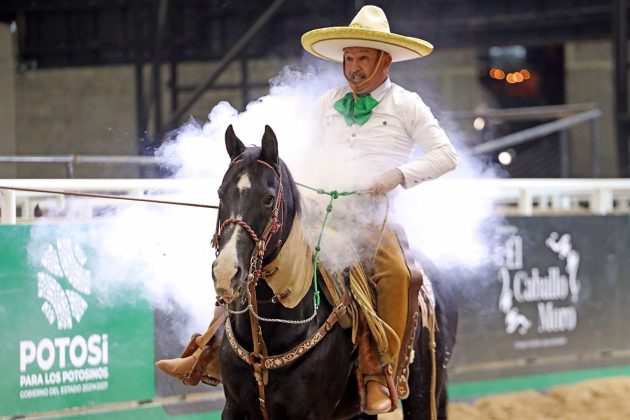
{"points": [[555, 289], [54, 366], [63, 304]]}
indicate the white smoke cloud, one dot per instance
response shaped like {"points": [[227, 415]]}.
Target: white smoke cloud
{"points": [[165, 250]]}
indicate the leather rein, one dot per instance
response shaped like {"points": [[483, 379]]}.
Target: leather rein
{"points": [[259, 359]]}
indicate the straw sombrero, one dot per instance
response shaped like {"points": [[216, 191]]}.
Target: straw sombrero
{"points": [[369, 28]]}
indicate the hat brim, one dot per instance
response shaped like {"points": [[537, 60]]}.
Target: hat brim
{"points": [[328, 43]]}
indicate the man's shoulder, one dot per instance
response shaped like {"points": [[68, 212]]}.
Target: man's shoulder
{"points": [[403, 100], [400, 92]]}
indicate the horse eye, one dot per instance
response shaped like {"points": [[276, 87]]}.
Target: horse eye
{"points": [[268, 201]]}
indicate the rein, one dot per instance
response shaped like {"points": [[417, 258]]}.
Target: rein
{"points": [[333, 196]]}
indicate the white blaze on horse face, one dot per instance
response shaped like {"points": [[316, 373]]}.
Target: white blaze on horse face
{"points": [[226, 266], [244, 183]]}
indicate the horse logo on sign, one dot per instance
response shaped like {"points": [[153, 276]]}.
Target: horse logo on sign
{"points": [[553, 291]]}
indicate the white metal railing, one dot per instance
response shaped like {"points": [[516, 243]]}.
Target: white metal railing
{"points": [[71, 161], [528, 197], [524, 197]]}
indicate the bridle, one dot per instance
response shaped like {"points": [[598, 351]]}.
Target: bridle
{"points": [[273, 225], [259, 358]]}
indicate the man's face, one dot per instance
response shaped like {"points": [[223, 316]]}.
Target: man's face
{"points": [[360, 62]]}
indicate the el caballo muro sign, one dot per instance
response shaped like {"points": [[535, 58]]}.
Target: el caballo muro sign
{"points": [[554, 290], [557, 287]]}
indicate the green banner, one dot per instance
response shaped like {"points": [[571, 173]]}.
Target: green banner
{"points": [[63, 344]]}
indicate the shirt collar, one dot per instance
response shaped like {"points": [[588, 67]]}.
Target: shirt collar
{"points": [[379, 92]]}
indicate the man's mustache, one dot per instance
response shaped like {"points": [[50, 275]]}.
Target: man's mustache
{"points": [[357, 74]]}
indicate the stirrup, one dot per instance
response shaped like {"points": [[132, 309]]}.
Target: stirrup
{"points": [[377, 401], [204, 358], [191, 347], [198, 370], [210, 380], [191, 351], [389, 384]]}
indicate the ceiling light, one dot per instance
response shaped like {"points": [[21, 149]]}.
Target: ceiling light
{"points": [[479, 123]]}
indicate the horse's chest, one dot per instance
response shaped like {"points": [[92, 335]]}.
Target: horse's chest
{"points": [[313, 380]]}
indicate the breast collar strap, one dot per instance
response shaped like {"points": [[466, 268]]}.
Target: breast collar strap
{"points": [[261, 362]]}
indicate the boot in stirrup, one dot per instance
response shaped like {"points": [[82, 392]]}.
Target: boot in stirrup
{"points": [[376, 388], [200, 359], [196, 364]]}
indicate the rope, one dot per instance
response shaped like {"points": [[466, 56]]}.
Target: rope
{"points": [[109, 197], [242, 224], [361, 292], [333, 196], [433, 369]]}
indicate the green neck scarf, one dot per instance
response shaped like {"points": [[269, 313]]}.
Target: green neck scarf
{"points": [[356, 112]]}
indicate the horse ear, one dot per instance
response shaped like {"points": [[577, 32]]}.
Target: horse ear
{"points": [[233, 144], [269, 152]]}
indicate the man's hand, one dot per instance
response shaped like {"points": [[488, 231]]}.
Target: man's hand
{"points": [[387, 181]]}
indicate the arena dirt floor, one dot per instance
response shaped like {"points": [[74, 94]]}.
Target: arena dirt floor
{"points": [[595, 399]]}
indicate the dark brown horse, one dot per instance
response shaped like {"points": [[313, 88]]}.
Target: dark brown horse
{"points": [[259, 203]]}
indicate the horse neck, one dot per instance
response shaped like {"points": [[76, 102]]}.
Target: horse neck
{"points": [[287, 214], [288, 270]]}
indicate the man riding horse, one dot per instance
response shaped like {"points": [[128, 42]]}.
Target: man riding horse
{"points": [[382, 123]]}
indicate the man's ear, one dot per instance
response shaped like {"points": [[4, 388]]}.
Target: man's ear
{"points": [[269, 152], [387, 61], [233, 144]]}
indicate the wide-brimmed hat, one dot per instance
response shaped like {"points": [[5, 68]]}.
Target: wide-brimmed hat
{"points": [[369, 28]]}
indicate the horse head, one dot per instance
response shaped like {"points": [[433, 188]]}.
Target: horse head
{"points": [[257, 205]]}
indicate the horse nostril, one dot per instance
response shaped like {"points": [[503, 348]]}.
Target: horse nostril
{"points": [[221, 292], [236, 281]]}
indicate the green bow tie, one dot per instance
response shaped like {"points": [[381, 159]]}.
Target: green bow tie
{"points": [[358, 111]]}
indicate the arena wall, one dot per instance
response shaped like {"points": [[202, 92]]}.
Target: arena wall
{"points": [[92, 110]]}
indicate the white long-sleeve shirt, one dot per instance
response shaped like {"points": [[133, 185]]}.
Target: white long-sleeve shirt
{"points": [[399, 122]]}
